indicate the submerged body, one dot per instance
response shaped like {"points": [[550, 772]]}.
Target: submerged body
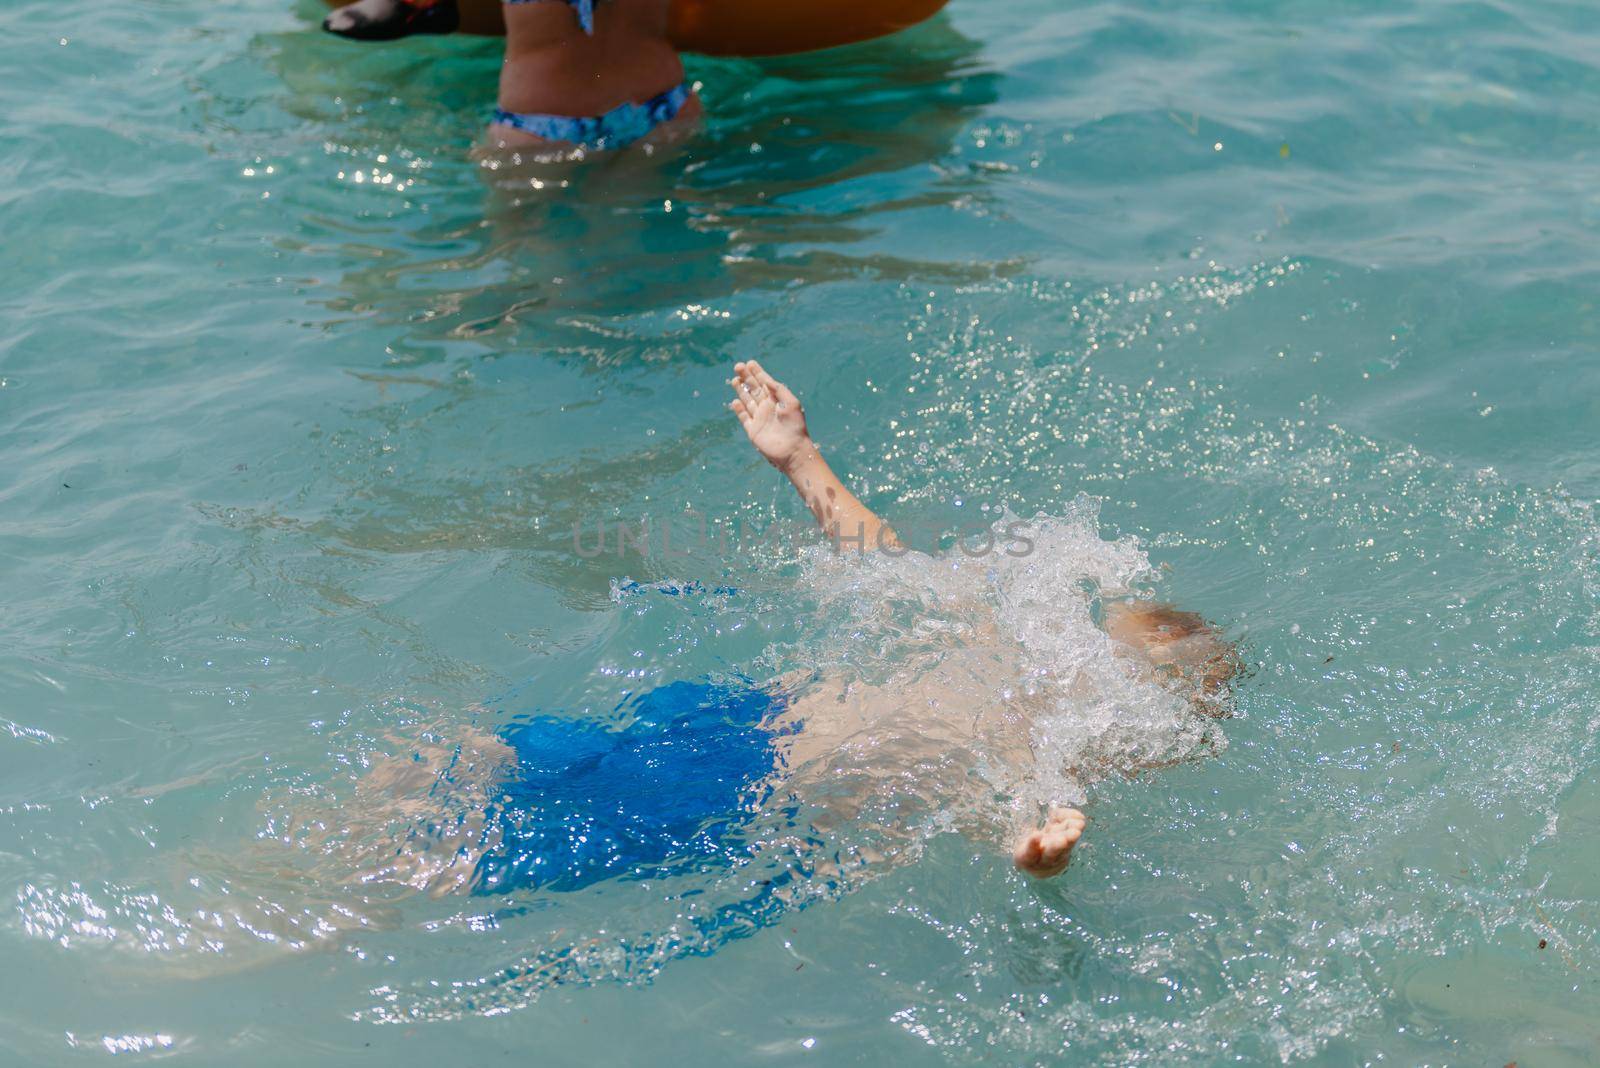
{"points": [[577, 75], [605, 74], [554, 802], [584, 802], [619, 74]]}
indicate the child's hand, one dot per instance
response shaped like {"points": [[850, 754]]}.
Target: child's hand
{"points": [[771, 416], [1044, 853]]}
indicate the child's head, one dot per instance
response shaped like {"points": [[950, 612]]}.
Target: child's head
{"points": [[1158, 624], [1179, 644]]}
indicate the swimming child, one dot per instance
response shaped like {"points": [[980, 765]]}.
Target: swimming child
{"points": [[578, 74], [561, 803], [724, 801], [1177, 645]]}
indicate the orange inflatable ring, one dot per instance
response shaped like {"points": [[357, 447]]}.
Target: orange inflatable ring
{"points": [[751, 27], [778, 27]]}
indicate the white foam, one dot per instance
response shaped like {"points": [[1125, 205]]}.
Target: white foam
{"points": [[1094, 709]]}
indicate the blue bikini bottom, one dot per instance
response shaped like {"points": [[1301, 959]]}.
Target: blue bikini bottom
{"points": [[622, 125], [590, 802]]}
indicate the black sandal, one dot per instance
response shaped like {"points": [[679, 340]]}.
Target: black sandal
{"points": [[390, 20]]}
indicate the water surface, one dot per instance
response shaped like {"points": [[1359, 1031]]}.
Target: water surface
{"points": [[300, 412]]}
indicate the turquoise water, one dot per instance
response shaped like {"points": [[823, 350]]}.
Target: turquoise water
{"points": [[300, 412]]}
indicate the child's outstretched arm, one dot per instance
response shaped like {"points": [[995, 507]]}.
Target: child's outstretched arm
{"points": [[772, 418]]}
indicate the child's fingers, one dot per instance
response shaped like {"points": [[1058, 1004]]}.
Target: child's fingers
{"points": [[741, 405], [754, 397], [752, 374], [779, 390], [757, 398], [784, 394], [1031, 851]]}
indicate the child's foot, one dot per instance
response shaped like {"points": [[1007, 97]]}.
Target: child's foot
{"points": [[1044, 853], [389, 20]]}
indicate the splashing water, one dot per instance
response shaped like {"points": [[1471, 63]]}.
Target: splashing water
{"points": [[413, 815], [1035, 590]]}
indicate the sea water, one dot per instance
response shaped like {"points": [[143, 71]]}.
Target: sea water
{"points": [[1284, 314]]}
